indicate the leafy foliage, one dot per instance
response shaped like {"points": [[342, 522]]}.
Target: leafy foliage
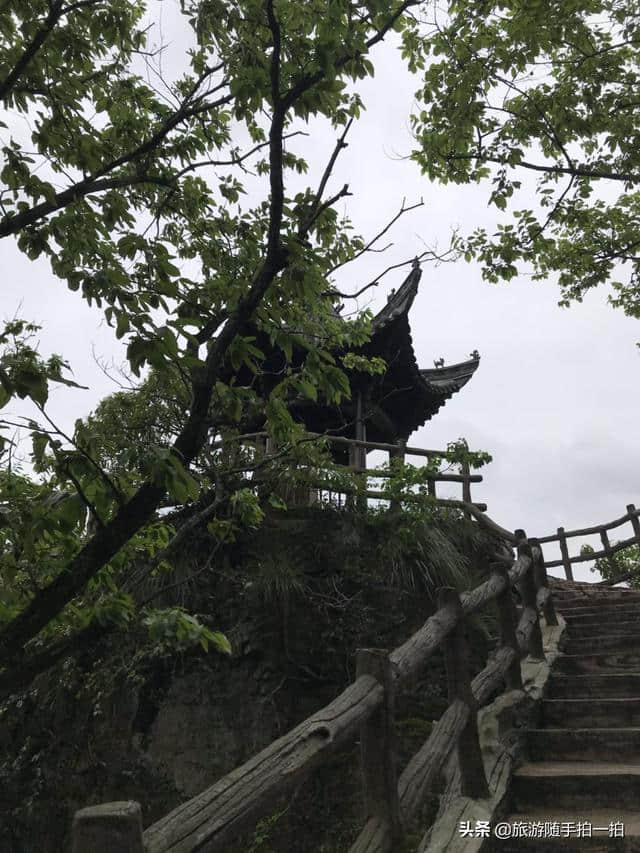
{"points": [[625, 561], [177, 629], [136, 196], [539, 89]]}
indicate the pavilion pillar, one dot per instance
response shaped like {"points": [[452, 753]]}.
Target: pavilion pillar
{"points": [[358, 455]]}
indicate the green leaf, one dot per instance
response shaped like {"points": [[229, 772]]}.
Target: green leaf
{"points": [[308, 389], [40, 442]]}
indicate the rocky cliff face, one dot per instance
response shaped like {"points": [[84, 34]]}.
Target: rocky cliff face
{"points": [[129, 720]]}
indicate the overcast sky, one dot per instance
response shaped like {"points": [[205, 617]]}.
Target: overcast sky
{"points": [[555, 399]]}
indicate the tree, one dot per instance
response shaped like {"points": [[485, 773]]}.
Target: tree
{"points": [[624, 564], [136, 200], [541, 90]]}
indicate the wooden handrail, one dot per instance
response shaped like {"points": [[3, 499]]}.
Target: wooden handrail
{"points": [[378, 751], [397, 452], [490, 525], [508, 625], [596, 529], [216, 817], [596, 555], [473, 782], [438, 478], [608, 550], [232, 804], [381, 445], [341, 439]]}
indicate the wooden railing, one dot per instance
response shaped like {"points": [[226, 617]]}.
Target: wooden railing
{"points": [[397, 453], [216, 818], [608, 550]]}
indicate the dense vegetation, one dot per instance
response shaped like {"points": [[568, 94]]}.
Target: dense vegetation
{"points": [[623, 563], [296, 598]]}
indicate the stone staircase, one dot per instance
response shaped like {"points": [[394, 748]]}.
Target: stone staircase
{"points": [[580, 789]]}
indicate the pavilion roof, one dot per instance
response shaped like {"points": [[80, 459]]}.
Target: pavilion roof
{"points": [[451, 378], [400, 300], [407, 395]]}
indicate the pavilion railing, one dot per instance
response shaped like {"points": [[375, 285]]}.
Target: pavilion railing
{"points": [[323, 489], [216, 818]]}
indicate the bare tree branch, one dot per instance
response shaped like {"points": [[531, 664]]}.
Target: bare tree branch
{"points": [[576, 171], [380, 234], [328, 203], [315, 208], [376, 281], [235, 159]]}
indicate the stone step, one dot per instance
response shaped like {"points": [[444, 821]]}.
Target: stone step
{"points": [[541, 824], [615, 686], [606, 626], [584, 744], [609, 628], [595, 609], [618, 643], [598, 664], [599, 607], [576, 785], [591, 602], [584, 768], [591, 713], [615, 610]]}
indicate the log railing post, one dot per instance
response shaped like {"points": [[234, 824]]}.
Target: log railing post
{"points": [[378, 747], [396, 457], [108, 828], [529, 597], [466, 487], [507, 615], [566, 562], [353, 460], [606, 545], [473, 780], [541, 580], [635, 521], [361, 452]]}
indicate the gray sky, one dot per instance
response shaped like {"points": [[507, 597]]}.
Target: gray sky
{"points": [[555, 399]]}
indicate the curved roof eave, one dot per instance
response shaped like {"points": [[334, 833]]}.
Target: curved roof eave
{"points": [[400, 300], [452, 378]]}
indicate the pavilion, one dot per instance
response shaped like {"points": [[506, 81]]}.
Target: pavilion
{"points": [[389, 407]]}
